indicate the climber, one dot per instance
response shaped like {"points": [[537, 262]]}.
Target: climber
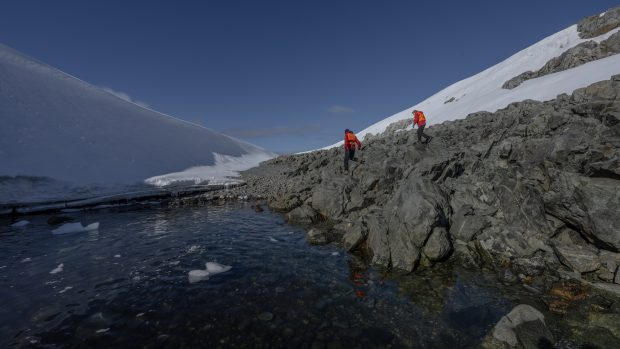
{"points": [[420, 119], [350, 140]]}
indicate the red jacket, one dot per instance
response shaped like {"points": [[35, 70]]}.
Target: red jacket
{"points": [[350, 140], [419, 118]]}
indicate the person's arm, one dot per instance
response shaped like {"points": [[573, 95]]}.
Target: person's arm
{"points": [[415, 120], [359, 145], [346, 144]]}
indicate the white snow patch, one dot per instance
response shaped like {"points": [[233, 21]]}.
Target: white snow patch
{"points": [[224, 171], [68, 228], [20, 224], [58, 269], [483, 92]]}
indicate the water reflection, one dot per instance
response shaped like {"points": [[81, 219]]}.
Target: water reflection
{"points": [[126, 285]]}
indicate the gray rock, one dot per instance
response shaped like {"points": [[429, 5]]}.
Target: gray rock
{"points": [[316, 237], [578, 258], [355, 234], [596, 25], [438, 245], [302, 214], [617, 278], [524, 327]]}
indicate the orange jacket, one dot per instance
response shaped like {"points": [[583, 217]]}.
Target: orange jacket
{"points": [[350, 140], [419, 118]]}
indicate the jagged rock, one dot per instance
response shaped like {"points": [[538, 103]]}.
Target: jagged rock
{"points": [[354, 235], [416, 208], [316, 237], [438, 245], [465, 255], [596, 25], [578, 258], [523, 327], [302, 214], [465, 224], [378, 242], [617, 278]]}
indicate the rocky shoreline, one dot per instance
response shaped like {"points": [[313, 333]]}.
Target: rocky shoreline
{"points": [[531, 191]]}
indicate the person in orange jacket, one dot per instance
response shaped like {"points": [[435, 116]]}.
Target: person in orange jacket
{"points": [[420, 119], [350, 141]]}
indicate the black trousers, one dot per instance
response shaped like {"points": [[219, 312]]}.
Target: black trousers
{"points": [[349, 154], [422, 134]]}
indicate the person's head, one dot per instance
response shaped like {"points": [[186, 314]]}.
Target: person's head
{"points": [[414, 111], [347, 131]]}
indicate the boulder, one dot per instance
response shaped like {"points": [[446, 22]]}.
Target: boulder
{"points": [[355, 235], [438, 245], [581, 259], [523, 327], [316, 237], [302, 214]]}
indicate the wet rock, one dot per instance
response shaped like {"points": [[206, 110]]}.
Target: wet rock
{"points": [[611, 322], [316, 237], [524, 327], [302, 214], [354, 235], [438, 245], [266, 316]]}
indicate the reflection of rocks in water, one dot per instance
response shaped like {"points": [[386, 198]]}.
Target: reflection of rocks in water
{"points": [[428, 288]]}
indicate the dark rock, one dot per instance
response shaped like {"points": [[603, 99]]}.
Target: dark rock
{"points": [[579, 258], [523, 327], [302, 214], [316, 237]]}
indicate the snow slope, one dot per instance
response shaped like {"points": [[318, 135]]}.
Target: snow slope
{"points": [[483, 92], [64, 129]]}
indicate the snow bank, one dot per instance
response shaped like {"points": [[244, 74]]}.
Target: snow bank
{"points": [[68, 228], [58, 132], [483, 92], [224, 171]]}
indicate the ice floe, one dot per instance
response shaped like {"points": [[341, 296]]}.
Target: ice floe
{"points": [[58, 269], [65, 289], [68, 228], [20, 224], [212, 268], [26, 260]]}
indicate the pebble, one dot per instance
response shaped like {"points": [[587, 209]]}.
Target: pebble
{"points": [[266, 316]]}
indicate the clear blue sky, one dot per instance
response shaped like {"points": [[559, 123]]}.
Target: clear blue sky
{"points": [[286, 75]]}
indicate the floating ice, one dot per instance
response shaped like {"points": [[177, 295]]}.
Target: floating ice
{"points": [[117, 256], [198, 275], [216, 268], [20, 224], [58, 269], [103, 330], [335, 253], [68, 228], [272, 239], [193, 249], [27, 259], [65, 289]]}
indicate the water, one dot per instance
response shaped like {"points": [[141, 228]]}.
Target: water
{"points": [[126, 285]]}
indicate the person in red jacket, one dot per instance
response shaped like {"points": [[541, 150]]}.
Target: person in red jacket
{"points": [[420, 119], [350, 141]]}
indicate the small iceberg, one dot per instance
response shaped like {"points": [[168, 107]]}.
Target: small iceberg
{"points": [[20, 224], [69, 228], [216, 268], [198, 275], [58, 269], [212, 268]]}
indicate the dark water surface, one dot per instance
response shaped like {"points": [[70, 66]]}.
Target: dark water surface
{"points": [[126, 285]]}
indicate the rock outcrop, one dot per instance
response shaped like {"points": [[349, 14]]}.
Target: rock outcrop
{"points": [[593, 26], [534, 187], [581, 54], [524, 327]]}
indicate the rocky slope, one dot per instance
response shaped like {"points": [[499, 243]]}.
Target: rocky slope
{"points": [[534, 187]]}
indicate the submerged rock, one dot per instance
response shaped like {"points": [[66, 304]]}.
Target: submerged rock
{"points": [[316, 237], [523, 327]]}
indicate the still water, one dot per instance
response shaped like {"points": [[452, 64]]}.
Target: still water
{"points": [[126, 285]]}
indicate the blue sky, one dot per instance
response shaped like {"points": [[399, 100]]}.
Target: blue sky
{"points": [[285, 75]]}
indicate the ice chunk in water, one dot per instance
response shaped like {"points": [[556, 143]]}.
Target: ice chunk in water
{"points": [[216, 268], [20, 224], [68, 228], [58, 269], [198, 275]]}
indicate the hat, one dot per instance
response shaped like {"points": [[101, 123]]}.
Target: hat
{"points": [[347, 131]]}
